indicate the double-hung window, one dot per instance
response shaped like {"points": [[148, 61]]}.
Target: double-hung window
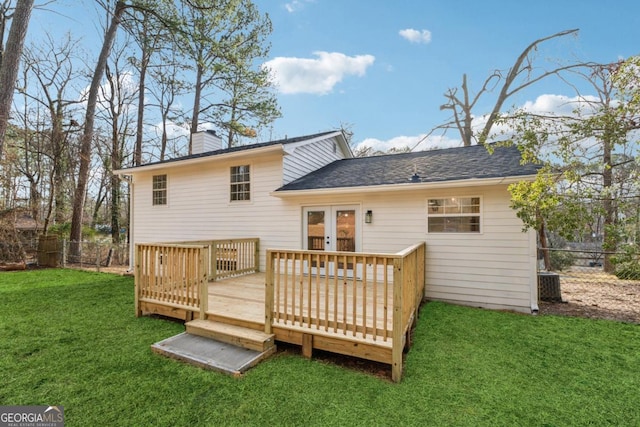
{"points": [[454, 215], [240, 183], [159, 194]]}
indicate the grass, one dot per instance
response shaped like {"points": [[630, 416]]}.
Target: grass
{"points": [[70, 338]]}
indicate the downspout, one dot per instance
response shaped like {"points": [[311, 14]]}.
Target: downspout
{"points": [[533, 268], [129, 180]]}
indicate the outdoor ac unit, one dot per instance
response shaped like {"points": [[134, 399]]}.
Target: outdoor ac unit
{"points": [[549, 287]]}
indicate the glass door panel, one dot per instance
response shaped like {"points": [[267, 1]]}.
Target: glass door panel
{"points": [[345, 239], [315, 230]]}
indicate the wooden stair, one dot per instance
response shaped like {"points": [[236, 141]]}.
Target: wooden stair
{"points": [[218, 346], [231, 334]]}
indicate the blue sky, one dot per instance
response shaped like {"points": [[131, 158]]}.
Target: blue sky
{"points": [[382, 66]]}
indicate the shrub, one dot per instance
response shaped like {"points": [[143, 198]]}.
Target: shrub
{"points": [[627, 263], [561, 260]]}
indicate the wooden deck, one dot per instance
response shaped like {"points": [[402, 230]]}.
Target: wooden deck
{"points": [[241, 301], [364, 308]]}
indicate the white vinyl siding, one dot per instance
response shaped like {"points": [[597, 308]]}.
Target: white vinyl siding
{"points": [[304, 159], [201, 209]]}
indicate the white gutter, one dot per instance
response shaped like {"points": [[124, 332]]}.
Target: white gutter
{"points": [[203, 159], [409, 186]]}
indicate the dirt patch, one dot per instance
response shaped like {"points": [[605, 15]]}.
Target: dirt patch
{"points": [[608, 298], [123, 271]]}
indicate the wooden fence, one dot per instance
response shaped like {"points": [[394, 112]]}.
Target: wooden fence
{"points": [[371, 297]]}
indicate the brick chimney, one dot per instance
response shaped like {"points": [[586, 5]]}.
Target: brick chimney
{"points": [[205, 141]]}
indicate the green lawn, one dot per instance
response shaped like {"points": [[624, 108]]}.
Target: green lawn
{"points": [[70, 338]]}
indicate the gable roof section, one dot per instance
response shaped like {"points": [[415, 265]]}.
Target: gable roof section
{"points": [[232, 150], [452, 164]]}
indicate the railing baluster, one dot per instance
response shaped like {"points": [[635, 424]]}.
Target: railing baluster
{"points": [[374, 283], [354, 326], [345, 296], [364, 296], [335, 293]]}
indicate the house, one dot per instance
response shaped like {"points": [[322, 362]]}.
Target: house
{"points": [[311, 193], [347, 247]]}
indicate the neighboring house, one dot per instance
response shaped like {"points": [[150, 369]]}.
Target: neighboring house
{"points": [[311, 193]]}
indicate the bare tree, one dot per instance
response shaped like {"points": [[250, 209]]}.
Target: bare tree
{"points": [[119, 98], [168, 86], [520, 76], [50, 66]]}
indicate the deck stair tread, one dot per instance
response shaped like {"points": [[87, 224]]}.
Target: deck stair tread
{"points": [[210, 354], [231, 334]]}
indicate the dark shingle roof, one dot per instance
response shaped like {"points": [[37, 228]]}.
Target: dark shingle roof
{"points": [[239, 148], [450, 164]]}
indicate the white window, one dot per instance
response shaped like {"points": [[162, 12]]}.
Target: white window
{"points": [[240, 183], [454, 215], [159, 195]]}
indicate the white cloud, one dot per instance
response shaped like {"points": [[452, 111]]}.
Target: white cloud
{"points": [[416, 36], [417, 143], [295, 5], [317, 76], [548, 104]]}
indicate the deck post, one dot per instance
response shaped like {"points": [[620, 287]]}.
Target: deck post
{"points": [[268, 294], [307, 345], [213, 274], [256, 254], [203, 281], [398, 329], [137, 275]]}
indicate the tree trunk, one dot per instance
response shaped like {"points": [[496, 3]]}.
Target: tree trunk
{"points": [[11, 62], [544, 245], [115, 185], [467, 131], [87, 136], [609, 243], [163, 138], [196, 106], [144, 62]]}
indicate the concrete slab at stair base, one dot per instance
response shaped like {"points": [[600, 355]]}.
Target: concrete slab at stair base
{"points": [[210, 354]]}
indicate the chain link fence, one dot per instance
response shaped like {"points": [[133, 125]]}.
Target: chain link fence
{"points": [[50, 251], [588, 265]]}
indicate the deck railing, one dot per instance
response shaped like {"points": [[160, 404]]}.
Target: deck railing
{"points": [[177, 274], [371, 297], [174, 275], [234, 257], [231, 257]]}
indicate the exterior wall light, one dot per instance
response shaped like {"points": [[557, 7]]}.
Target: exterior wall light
{"points": [[368, 217]]}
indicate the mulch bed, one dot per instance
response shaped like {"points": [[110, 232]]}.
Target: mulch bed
{"points": [[604, 298]]}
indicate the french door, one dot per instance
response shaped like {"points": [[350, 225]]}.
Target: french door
{"points": [[331, 228]]}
